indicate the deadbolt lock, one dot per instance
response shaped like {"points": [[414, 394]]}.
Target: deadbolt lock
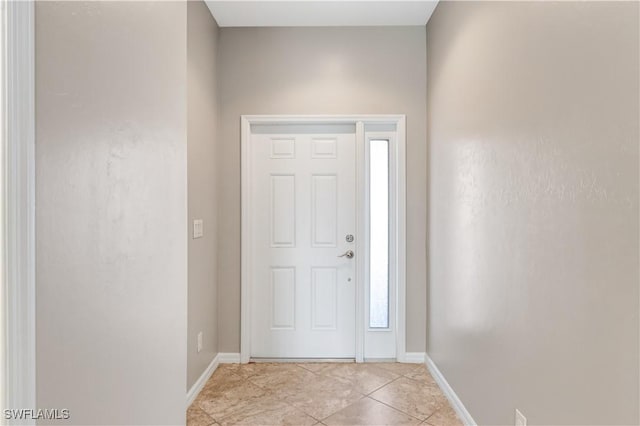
{"points": [[349, 238]]}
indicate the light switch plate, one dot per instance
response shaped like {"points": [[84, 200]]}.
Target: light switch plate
{"points": [[198, 228], [521, 420], [199, 341]]}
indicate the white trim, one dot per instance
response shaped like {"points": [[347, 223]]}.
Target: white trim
{"points": [[19, 206], [414, 358], [3, 202], [323, 119], [378, 340], [361, 229], [245, 155], [401, 234], [229, 357], [202, 380], [448, 391], [245, 256]]}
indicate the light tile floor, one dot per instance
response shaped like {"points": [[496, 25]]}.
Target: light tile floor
{"points": [[322, 394]]}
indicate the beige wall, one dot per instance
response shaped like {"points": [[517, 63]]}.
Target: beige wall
{"points": [[533, 133], [202, 147], [111, 166], [321, 71]]}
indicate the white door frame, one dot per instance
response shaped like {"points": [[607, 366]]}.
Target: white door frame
{"points": [[17, 311], [399, 232]]}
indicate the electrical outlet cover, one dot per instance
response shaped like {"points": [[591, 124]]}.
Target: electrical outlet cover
{"points": [[521, 420]]}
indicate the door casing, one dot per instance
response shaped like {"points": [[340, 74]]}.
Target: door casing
{"points": [[398, 231], [17, 170]]}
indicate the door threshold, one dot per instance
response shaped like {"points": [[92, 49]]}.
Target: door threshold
{"points": [[380, 360], [302, 360]]}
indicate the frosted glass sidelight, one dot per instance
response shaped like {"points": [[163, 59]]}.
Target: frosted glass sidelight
{"points": [[379, 234]]}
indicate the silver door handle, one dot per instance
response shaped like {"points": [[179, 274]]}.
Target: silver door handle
{"points": [[348, 254]]}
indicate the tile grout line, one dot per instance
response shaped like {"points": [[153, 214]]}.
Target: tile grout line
{"points": [[386, 384], [243, 381], [347, 406], [197, 407], [327, 374], [398, 410], [364, 395], [268, 392], [284, 400], [432, 414], [431, 385], [354, 387], [305, 368]]}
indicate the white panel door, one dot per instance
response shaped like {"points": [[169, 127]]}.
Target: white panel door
{"points": [[303, 205]]}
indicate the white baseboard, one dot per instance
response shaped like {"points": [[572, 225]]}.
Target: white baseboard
{"points": [[229, 357], [457, 405], [414, 357], [199, 384]]}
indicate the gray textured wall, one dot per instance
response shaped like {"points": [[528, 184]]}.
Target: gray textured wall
{"points": [[202, 149], [321, 71], [533, 133], [111, 165]]}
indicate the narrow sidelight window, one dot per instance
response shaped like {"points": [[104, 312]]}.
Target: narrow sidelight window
{"points": [[379, 233]]}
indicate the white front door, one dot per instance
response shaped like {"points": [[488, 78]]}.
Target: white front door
{"points": [[303, 207]]}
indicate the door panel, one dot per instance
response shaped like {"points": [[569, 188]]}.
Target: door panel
{"points": [[283, 298], [324, 213], [324, 298], [283, 211], [303, 205]]}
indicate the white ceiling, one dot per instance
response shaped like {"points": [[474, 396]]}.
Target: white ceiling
{"points": [[314, 13]]}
